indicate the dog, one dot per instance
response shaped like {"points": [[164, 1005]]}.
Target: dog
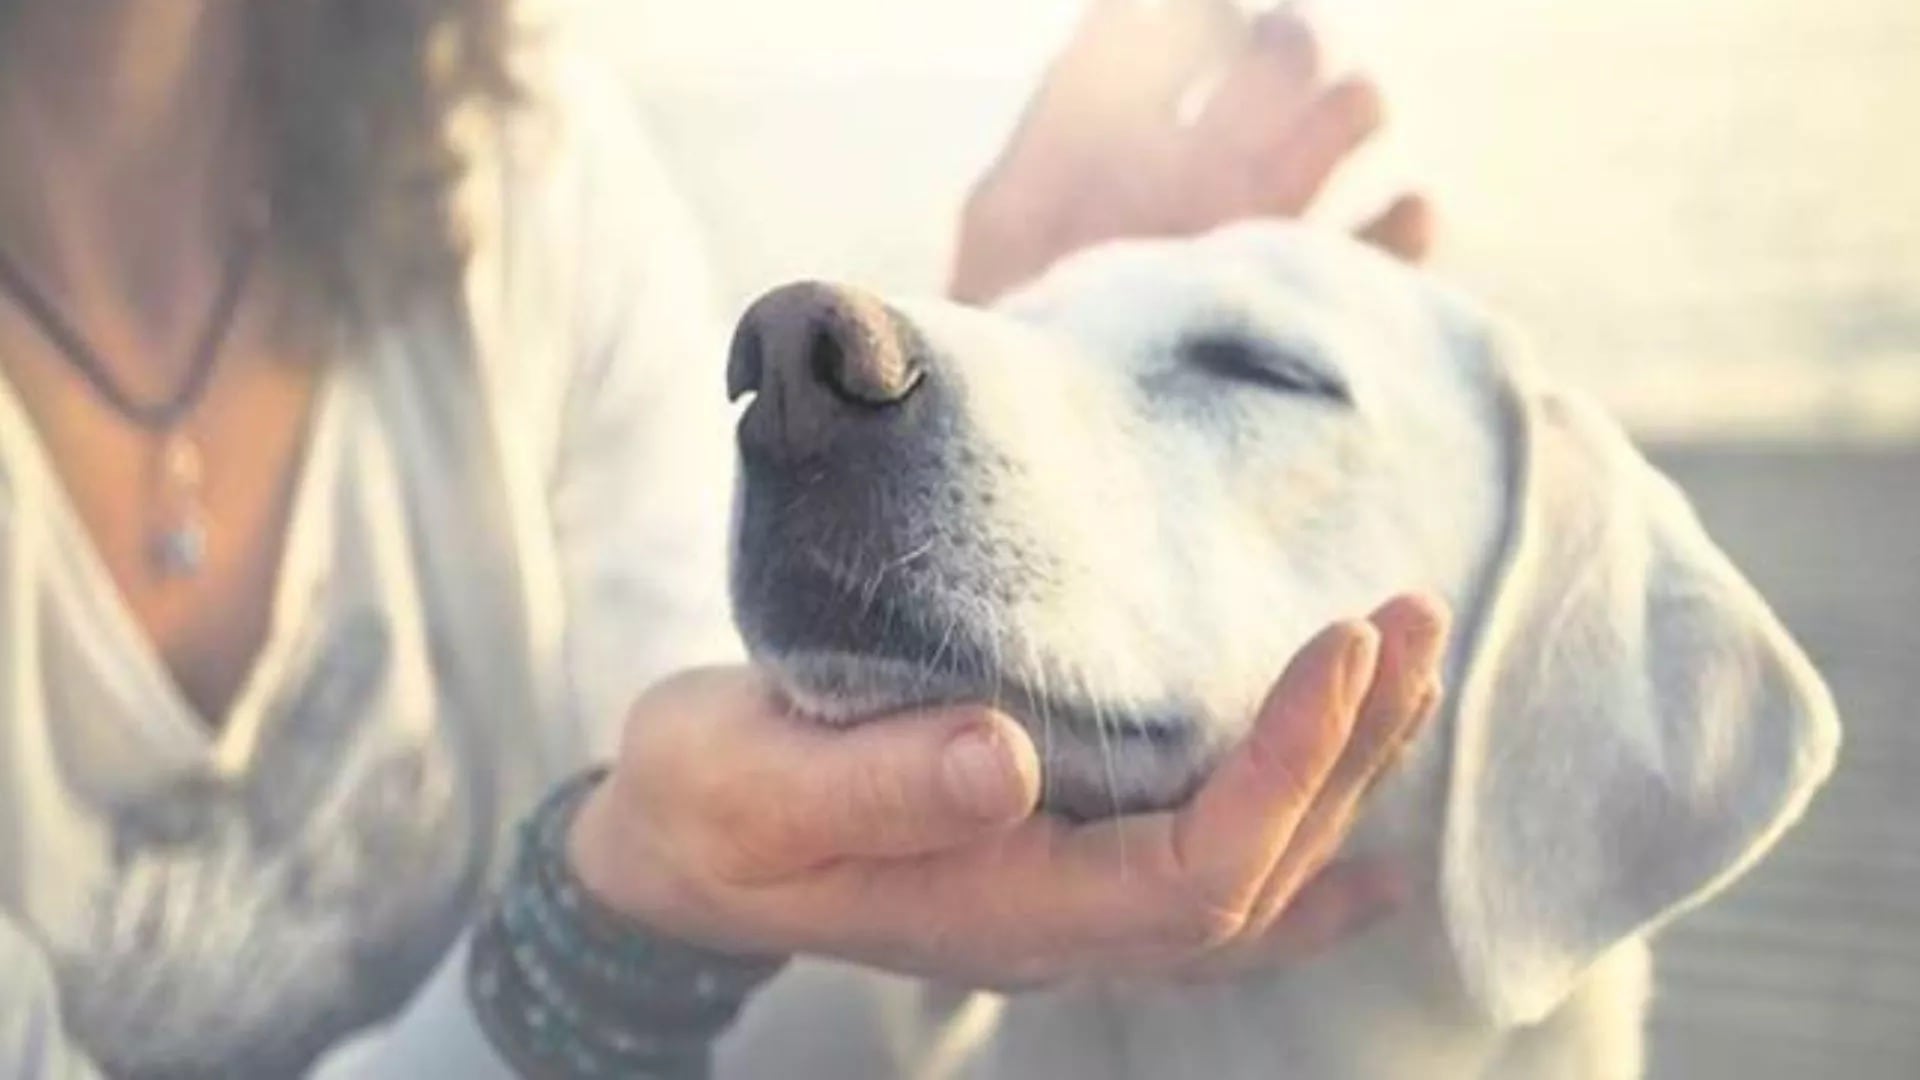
{"points": [[1116, 502]]}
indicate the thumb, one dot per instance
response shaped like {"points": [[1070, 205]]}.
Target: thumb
{"points": [[910, 784]]}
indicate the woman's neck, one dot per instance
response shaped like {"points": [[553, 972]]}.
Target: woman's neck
{"points": [[119, 147]]}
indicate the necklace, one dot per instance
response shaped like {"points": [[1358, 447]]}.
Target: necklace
{"points": [[177, 538]]}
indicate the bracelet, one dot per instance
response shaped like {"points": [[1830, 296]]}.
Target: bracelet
{"points": [[567, 988]]}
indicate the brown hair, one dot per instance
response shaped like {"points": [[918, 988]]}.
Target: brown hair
{"points": [[356, 102], [357, 98]]}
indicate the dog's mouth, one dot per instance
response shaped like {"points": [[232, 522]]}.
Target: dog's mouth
{"points": [[842, 689], [1099, 758], [912, 625]]}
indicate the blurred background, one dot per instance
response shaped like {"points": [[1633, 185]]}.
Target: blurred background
{"points": [[1708, 213]]}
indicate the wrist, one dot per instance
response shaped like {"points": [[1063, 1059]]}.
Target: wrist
{"points": [[559, 979], [600, 853], [627, 879]]}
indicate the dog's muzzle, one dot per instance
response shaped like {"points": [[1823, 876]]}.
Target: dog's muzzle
{"points": [[876, 564], [849, 479]]}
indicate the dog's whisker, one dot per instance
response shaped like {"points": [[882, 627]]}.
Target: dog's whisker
{"points": [[1036, 679], [1101, 725], [994, 631], [870, 593], [917, 553], [946, 642]]}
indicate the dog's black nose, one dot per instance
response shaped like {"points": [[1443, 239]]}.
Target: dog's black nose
{"points": [[818, 357]]}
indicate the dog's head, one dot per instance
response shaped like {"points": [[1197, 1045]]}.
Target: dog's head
{"points": [[1116, 504]]}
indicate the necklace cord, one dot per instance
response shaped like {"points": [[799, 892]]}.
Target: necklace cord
{"points": [[155, 417]]}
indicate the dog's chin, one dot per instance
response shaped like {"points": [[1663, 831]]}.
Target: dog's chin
{"points": [[1097, 760]]}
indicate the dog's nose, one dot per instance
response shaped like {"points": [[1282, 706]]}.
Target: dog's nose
{"points": [[818, 356]]}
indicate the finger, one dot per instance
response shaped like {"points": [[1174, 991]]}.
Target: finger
{"points": [[1016, 909], [1136, 58], [1229, 836], [789, 793], [1405, 685], [1021, 908], [1342, 901], [1113, 87], [1405, 229], [1289, 174], [1261, 95], [1269, 167], [909, 785], [1424, 625]]}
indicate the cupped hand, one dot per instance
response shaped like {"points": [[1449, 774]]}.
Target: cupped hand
{"points": [[1128, 136], [913, 844]]}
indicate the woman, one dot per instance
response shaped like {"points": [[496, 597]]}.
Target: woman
{"points": [[363, 459]]}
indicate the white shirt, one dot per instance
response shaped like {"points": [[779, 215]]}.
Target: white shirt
{"points": [[510, 518]]}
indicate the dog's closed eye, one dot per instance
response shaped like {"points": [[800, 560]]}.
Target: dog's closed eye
{"points": [[1246, 359]]}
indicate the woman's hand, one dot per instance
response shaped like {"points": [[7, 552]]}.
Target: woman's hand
{"points": [[912, 844], [1108, 147]]}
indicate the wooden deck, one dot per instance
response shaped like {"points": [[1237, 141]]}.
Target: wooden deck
{"points": [[1811, 967]]}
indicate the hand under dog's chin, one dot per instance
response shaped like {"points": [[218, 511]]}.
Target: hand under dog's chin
{"points": [[1096, 762]]}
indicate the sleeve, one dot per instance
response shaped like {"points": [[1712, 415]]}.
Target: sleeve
{"points": [[33, 1044], [438, 1035], [641, 485]]}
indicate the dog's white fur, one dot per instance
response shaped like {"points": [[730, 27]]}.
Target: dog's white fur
{"points": [[1628, 726]]}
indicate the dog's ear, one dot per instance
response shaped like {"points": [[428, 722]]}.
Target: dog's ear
{"points": [[1633, 727]]}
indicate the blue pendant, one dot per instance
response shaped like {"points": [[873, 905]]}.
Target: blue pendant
{"points": [[180, 551], [179, 547]]}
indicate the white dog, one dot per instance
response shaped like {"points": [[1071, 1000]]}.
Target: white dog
{"points": [[1117, 503]]}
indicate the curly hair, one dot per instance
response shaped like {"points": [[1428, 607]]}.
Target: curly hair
{"points": [[356, 99]]}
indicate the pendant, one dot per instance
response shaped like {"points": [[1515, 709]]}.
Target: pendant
{"points": [[181, 551], [178, 545]]}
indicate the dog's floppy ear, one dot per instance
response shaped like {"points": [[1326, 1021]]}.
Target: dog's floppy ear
{"points": [[1633, 728]]}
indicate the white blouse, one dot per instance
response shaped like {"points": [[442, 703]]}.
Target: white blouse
{"points": [[510, 518]]}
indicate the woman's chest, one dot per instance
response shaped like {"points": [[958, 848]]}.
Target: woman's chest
{"points": [[311, 860], [293, 873], [189, 524], [234, 913]]}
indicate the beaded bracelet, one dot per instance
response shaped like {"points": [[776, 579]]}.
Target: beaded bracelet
{"points": [[566, 988]]}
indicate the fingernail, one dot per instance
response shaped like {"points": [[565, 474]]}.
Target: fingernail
{"points": [[979, 777]]}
